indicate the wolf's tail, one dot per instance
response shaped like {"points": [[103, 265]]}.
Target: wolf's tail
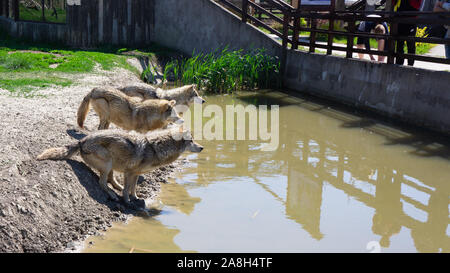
{"points": [[60, 153], [84, 109]]}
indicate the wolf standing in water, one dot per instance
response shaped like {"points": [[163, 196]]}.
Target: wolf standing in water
{"points": [[114, 106], [131, 154]]}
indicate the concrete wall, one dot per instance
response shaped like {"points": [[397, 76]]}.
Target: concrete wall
{"points": [[416, 96], [203, 26]]}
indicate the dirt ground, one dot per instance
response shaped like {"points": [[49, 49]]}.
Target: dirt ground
{"points": [[47, 206]]}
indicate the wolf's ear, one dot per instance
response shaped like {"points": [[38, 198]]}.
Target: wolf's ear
{"points": [[164, 106], [172, 103]]}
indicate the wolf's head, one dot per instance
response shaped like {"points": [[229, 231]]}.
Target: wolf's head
{"points": [[194, 96], [169, 112], [185, 136]]}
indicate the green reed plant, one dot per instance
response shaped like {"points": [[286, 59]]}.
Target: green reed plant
{"points": [[226, 71]]}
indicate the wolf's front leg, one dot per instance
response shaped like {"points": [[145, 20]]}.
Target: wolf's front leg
{"points": [[133, 189], [130, 181]]}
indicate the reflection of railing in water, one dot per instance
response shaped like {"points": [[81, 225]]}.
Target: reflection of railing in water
{"points": [[315, 150], [388, 199], [318, 162]]}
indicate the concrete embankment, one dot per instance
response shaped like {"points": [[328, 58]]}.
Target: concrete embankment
{"points": [[417, 96]]}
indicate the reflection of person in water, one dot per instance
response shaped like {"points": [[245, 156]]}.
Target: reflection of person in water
{"points": [[388, 207], [431, 236]]}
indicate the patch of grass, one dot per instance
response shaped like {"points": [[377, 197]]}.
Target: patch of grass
{"points": [[26, 66], [22, 56], [226, 71], [68, 61], [27, 86]]}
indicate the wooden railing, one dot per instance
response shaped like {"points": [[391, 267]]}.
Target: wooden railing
{"points": [[291, 17]]}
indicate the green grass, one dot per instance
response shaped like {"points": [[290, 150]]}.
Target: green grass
{"points": [[26, 67], [15, 67], [12, 60], [226, 71], [28, 85]]}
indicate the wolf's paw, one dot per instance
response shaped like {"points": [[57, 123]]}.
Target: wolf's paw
{"points": [[134, 197], [113, 196], [138, 205]]}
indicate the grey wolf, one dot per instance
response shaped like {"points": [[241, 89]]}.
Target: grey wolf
{"points": [[114, 106], [132, 154], [183, 95]]}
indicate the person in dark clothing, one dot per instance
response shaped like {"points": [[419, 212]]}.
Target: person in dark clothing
{"points": [[406, 29], [369, 27]]}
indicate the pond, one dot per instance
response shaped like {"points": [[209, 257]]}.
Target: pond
{"points": [[338, 182]]}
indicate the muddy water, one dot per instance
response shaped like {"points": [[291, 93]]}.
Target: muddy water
{"points": [[338, 182]]}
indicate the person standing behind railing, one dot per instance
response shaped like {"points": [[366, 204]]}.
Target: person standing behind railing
{"points": [[377, 28], [439, 7], [406, 29]]}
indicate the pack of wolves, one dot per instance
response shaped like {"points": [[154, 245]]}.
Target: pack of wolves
{"points": [[148, 111]]}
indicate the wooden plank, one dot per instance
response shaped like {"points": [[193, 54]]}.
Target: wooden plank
{"points": [[350, 38], [244, 10], [391, 43], [16, 10], [312, 36], [287, 18], [231, 6], [296, 33], [266, 12], [260, 23], [331, 28], [43, 10], [426, 58]]}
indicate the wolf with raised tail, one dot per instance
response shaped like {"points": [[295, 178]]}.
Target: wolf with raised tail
{"points": [[130, 153], [114, 106]]}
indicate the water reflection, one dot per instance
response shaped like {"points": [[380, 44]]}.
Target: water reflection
{"points": [[406, 185]]}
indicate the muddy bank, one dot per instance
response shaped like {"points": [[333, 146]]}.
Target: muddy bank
{"points": [[46, 206]]}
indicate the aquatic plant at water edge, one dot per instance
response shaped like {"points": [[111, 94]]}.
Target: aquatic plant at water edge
{"points": [[226, 71]]}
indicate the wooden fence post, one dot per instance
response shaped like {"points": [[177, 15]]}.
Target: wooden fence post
{"points": [[312, 36], [331, 28], [286, 20], [244, 10], [16, 10], [296, 4], [392, 34], [350, 38], [391, 43], [7, 9], [43, 9], [296, 33]]}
